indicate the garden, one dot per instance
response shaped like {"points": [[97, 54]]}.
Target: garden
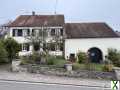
{"points": [[44, 63], [82, 67]]}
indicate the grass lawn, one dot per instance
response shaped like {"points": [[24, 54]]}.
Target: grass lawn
{"points": [[91, 66]]}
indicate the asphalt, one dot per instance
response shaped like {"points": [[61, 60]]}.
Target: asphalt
{"points": [[13, 85]]}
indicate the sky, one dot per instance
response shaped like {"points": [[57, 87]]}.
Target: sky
{"points": [[74, 10]]}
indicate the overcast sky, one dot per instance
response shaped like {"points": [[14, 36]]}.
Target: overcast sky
{"points": [[74, 10]]}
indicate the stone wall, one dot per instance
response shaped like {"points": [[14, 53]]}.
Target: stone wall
{"points": [[52, 70]]}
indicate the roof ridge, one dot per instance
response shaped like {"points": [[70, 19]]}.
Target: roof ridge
{"points": [[85, 23]]}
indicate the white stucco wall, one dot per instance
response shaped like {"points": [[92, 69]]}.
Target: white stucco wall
{"points": [[22, 39], [75, 45]]}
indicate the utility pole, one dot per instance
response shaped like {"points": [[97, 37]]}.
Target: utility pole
{"points": [[56, 7]]}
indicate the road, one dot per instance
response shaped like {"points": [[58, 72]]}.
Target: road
{"points": [[15, 85]]}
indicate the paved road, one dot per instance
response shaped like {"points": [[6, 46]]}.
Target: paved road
{"points": [[13, 85]]}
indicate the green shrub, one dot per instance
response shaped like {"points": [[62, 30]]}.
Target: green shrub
{"points": [[114, 56], [58, 61], [35, 58], [25, 60], [82, 57], [3, 54], [51, 60], [77, 66], [59, 57], [108, 67], [12, 47]]}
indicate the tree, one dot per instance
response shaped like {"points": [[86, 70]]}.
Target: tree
{"points": [[37, 39], [3, 54], [12, 47]]}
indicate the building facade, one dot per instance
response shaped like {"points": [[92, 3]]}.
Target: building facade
{"points": [[26, 27], [92, 38]]}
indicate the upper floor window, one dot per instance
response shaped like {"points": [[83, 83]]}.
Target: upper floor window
{"points": [[52, 32], [61, 32], [33, 32], [13, 33], [28, 32], [19, 32]]}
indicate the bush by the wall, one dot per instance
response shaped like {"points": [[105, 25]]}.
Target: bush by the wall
{"points": [[107, 67], [114, 56], [51, 60], [82, 57]]}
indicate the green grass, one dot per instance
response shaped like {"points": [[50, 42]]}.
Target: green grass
{"points": [[91, 66], [60, 62]]}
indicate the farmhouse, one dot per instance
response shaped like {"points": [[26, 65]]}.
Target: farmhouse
{"points": [[92, 38]]}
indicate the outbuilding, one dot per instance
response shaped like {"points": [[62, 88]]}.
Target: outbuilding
{"points": [[92, 38]]}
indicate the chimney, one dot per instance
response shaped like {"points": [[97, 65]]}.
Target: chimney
{"points": [[33, 13]]}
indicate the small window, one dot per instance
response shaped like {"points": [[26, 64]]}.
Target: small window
{"points": [[61, 32], [19, 32], [53, 32], [13, 33]]}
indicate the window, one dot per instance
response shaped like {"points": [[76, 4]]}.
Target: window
{"points": [[61, 47], [44, 46], [25, 47], [52, 47], [33, 32], [13, 33], [61, 32], [28, 32], [53, 32], [19, 33]]}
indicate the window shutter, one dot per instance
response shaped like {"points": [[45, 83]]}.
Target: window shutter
{"points": [[13, 33]]}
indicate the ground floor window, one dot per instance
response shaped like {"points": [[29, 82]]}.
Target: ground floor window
{"points": [[54, 46], [25, 47], [61, 46]]}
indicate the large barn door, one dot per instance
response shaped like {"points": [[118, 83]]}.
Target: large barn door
{"points": [[95, 55]]}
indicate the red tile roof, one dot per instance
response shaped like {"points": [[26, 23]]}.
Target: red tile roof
{"points": [[38, 20], [89, 30]]}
